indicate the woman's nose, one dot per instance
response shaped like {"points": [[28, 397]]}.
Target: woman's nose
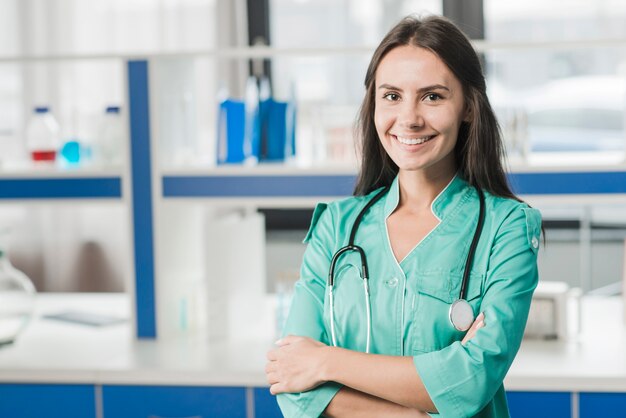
{"points": [[410, 117]]}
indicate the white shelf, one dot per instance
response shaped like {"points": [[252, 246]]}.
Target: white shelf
{"points": [[268, 52], [39, 172], [264, 169]]}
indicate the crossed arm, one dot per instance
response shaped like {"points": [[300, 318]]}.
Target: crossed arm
{"points": [[374, 384]]}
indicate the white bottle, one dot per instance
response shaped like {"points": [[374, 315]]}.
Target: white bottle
{"points": [[108, 149], [42, 136]]}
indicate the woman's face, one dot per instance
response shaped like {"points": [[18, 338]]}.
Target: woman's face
{"points": [[419, 108]]}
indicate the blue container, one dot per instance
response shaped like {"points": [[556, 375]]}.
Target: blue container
{"points": [[264, 134], [231, 131], [278, 128]]}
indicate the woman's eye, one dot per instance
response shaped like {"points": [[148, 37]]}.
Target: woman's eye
{"points": [[432, 97], [391, 97]]}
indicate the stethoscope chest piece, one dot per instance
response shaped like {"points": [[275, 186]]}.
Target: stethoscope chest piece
{"points": [[461, 315]]}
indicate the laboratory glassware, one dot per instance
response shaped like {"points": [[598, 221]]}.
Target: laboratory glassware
{"points": [[17, 299]]}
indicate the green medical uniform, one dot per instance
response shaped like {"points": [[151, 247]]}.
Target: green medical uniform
{"points": [[410, 298]]}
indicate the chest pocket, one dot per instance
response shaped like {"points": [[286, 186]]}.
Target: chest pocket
{"points": [[349, 300], [434, 294]]}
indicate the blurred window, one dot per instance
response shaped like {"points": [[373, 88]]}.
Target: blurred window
{"points": [[579, 118], [78, 91], [329, 86], [559, 98]]}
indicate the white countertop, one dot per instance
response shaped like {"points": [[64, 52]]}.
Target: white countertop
{"points": [[594, 361], [50, 351]]}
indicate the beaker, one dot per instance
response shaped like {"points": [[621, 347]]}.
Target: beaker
{"points": [[17, 298]]}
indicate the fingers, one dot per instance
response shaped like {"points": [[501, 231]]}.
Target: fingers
{"points": [[479, 322], [272, 378], [276, 388], [480, 317], [271, 374], [270, 367], [288, 339], [272, 355]]}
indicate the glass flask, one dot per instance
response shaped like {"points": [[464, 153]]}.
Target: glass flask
{"points": [[17, 300]]}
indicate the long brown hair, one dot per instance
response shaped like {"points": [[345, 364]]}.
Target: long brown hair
{"points": [[479, 150]]}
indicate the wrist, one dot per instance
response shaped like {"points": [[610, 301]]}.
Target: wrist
{"points": [[327, 364]]}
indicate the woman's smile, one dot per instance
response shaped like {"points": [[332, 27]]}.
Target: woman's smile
{"points": [[412, 142]]}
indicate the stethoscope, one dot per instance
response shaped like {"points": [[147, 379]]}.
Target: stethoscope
{"points": [[461, 314]]}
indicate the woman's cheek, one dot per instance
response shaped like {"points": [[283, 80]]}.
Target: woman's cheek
{"points": [[383, 121]]}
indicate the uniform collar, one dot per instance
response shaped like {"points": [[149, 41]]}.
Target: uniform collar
{"points": [[440, 206]]}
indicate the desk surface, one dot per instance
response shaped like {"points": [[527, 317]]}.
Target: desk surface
{"points": [[51, 351]]}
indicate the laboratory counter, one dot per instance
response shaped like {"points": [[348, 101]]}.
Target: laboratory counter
{"points": [[56, 352]]}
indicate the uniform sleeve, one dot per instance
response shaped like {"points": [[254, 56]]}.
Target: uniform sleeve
{"points": [[306, 313], [461, 380]]}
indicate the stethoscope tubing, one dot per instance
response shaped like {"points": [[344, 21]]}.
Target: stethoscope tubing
{"points": [[365, 273]]}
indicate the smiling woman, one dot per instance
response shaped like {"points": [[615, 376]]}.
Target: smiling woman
{"points": [[442, 229], [418, 117]]}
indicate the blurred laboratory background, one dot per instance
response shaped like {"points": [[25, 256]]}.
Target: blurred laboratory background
{"points": [[147, 147], [555, 79]]}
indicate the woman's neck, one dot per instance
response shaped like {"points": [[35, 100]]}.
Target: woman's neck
{"points": [[418, 189]]}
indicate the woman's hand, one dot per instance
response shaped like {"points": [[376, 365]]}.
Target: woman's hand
{"points": [[296, 365], [479, 322]]}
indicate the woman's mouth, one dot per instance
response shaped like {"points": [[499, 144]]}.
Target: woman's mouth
{"points": [[415, 140]]}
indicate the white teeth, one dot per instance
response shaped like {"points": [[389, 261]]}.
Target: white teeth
{"points": [[414, 141]]}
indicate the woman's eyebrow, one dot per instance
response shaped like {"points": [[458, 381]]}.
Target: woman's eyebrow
{"points": [[421, 90], [389, 87]]}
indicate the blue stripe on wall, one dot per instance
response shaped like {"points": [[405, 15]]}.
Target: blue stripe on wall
{"points": [[258, 186], [61, 188], [142, 198], [569, 183], [342, 185]]}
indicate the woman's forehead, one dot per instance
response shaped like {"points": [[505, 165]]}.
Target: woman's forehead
{"points": [[415, 67]]}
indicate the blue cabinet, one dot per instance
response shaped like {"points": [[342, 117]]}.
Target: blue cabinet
{"points": [[50, 401], [600, 405], [265, 405], [173, 401], [540, 404]]}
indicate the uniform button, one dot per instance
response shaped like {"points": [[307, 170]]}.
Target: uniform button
{"points": [[392, 282], [535, 242]]}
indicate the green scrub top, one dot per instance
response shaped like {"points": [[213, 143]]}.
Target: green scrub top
{"points": [[410, 298]]}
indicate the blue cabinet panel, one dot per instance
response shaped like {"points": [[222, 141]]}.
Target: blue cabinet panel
{"points": [[265, 405], [601, 405], [173, 401], [539, 404], [49, 401]]}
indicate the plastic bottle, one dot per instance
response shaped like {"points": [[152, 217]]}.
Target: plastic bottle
{"points": [[108, 148], [42, 136]]}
